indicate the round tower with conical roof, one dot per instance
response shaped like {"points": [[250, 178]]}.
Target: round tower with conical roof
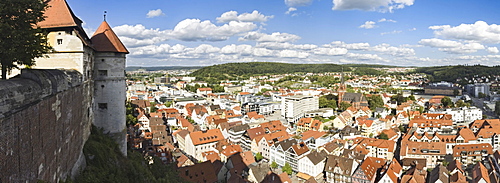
{"points": [[109, 84]]}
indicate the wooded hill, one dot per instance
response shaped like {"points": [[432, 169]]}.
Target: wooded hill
{"points": [[452, 73], [234, 70]]}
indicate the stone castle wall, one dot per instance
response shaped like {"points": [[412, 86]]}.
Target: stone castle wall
{"points": [[45, 119]]}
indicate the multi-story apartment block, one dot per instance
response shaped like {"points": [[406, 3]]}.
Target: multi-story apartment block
{"points": [[471, 153], [294, 107], [461, 115]]}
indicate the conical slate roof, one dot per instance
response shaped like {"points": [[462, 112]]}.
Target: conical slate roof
{"points": [[105, 40]]}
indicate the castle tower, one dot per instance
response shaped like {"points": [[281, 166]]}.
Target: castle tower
{"points": [[109, 84]]}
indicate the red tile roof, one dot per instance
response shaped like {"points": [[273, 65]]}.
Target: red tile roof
{"points": [[203, 137], [59, 14], [105, 40]]}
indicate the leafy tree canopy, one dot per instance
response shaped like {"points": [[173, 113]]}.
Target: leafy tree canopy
{"points": [[21, 41]]}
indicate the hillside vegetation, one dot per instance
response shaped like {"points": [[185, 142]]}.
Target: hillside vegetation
{"points": [[452, 73], [105, 163], [235, 70]]}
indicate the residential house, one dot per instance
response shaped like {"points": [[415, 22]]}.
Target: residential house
{"points": [[202, 141], [313, 164], [201, 172], [368, 170], [471, 153], [340, 169], [306, 124]]}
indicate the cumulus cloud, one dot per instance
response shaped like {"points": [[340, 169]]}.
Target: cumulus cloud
{"points": [[368, 25], [285, 46], [480, 31], [351, 46], [274, 37], [155, 13], [139, 35], [292, 54], [255, 16], [359, 56], [290, 10], [394, 51], [492, 50], [386, 20], [452, 46], [295, 3], [392, 32], [372, 5], [237, 49], [331, 51], [197, 30]]}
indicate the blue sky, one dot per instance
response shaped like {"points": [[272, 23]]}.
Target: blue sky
{"points": [[389, 32]]}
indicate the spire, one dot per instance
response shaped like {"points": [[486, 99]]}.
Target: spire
{"points": [[105, 40], [59, 14]]}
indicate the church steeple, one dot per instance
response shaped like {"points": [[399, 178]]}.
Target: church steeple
{"points": [[342, 89]]}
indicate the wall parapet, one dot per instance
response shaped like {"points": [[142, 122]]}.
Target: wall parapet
{"points": [[33, 85]]}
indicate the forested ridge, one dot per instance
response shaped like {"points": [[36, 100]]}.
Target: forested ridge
{"points": [[233, 70], [452, 73]]}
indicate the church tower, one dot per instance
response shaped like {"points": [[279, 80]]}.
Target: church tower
{"points": [[109, 84], [342, 89]]}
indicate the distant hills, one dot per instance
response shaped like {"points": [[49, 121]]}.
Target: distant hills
{"points": [[452, 73], [159, 68], [233, 70]]}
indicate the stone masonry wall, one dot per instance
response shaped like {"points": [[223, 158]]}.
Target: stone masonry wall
{"points": [[45, 120]]}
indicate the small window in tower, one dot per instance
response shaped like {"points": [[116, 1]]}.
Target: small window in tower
{"points": [[69, 32], [103, 105], [102, 60], [103, 72], [59, 41]]}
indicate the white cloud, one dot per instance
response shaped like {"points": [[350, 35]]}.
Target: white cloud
{"points": [[293, 54], [138, 35], [197, 30], [352, 46], [492, 50], [255, 16], [155, 13], [331, 51], [371, 5], [359, 56], [290, 10], [274, 37], [480, 31], [386, 20], [452, 46], [243, 49], [392, 32], [263, 52], [285, 46], [394, 51], [295, 3], [368, 25]]}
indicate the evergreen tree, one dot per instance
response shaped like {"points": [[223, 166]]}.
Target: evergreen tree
{"points": [[21, 41]]}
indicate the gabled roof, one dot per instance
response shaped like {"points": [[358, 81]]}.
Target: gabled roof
{"points": [[316, 157], [370, 166], [105, 40], [203, 137], [59, 14]]}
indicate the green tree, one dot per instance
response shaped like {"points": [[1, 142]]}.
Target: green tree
{"points": [[375, 101], [455, 92], [446, 101], [287, 168], [325, 102], [258, 156], [383, 136], [497, 108], [344, 105], [274, 165], [461, 103], [22, 41], [481, 95]]}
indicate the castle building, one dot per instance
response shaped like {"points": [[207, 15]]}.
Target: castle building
{"points": [[101, 61]]}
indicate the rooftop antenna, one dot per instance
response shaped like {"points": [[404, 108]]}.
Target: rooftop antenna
{"points": [[105, 15]]}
